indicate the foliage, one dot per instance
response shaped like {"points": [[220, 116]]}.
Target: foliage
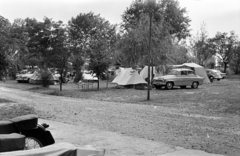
{"points": [[134, 44], [200, 47], [168, 24], [4, 44], [101, 46], [235, 61], [179, 53], [223, 45], [168, 12], [47, 44], [46, 78], [91, 37], [3, 64], [13, 45], [80, 30]]}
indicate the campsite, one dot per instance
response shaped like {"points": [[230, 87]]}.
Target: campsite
{"points": [[181, 117], [133, 77]]}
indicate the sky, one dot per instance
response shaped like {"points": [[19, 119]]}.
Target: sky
{"points": [[218, 15]]}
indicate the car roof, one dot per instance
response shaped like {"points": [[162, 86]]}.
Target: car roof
{"points": [[182, 69], [212, 70]]}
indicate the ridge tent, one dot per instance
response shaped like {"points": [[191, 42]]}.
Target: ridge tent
{"points": [[199, 70], [144, 72], [36, 78], [120, 73], [129, 77]]}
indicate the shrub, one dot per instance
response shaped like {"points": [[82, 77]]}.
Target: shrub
{"points": [[46, 77], [78, 77]]}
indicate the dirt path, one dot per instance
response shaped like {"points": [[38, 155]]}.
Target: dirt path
{"points": [[135, 129]]}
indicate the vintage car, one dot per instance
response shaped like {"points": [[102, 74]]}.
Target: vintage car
{"points": [[178, 77], [24, 76], [213, 74], [224, 75]]}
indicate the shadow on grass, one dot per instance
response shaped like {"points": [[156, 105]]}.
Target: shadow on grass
{"points": [[4, 100]]}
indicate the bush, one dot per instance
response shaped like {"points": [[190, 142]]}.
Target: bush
{"points": [[46, 77], [78, 77]]}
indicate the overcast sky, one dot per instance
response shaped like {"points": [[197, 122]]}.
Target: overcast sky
{"points": [[218, 15]]}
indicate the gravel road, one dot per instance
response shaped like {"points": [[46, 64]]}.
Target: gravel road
{"points": [[152, 123]]}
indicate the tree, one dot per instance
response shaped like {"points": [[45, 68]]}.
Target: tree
{"points": [[179, 53], [235, 61], [60, 53], [4, 44], [46, 43], [223, 45], [201, 48], [12, 43], [168, 12], [80, 30], [101, 46]]}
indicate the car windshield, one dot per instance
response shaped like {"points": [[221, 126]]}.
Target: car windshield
{"points": [[173, 72]]}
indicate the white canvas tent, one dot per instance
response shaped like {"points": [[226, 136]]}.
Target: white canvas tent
{"points": [[199, 70], [144, 72], [36, 78], [129, 76]]}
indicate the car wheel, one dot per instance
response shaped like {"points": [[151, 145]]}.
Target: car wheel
{"points": [[169, 85], [211, 79], [195, 85], [218, 79], [157, 87], [183, 87]]}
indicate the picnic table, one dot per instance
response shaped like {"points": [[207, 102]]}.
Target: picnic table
{"points": [[86, 84]]}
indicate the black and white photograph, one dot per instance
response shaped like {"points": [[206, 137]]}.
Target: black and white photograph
{"points": [[119, 78]]}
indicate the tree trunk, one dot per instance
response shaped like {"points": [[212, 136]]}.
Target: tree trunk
{"points": [[225, 67], [61, 79], [60, 85], [107, 79], [98, 82]]}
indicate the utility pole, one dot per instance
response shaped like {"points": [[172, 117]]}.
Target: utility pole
{"points": [[149, 54]]}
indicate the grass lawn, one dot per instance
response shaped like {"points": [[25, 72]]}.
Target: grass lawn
{"points": [[216, 98], [191, 114]]}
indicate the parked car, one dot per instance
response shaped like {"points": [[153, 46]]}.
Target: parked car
{"points": [[224, 75], [213, 74], [178, 77], [89, 76], [24, 76]]}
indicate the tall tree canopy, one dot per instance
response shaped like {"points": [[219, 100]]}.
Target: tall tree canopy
{"points": [[168, 12], [101, 47], [235, 61], [169, 24], [12, 43], [81, 29], [91, 37], [223, 45], [4, 44], [201, 48]]}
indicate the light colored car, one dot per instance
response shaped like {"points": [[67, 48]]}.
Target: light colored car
{"points": [[224, 75], [24, 76], [213, 74], [178, 77], [87, 75]]}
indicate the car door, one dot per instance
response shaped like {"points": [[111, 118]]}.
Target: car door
{"points": [[182, 78], [191, 77]]}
